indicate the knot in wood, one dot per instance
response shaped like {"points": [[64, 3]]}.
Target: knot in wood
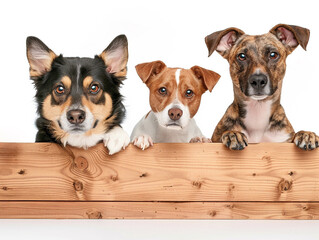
{"points": [[144, 175], [94, 215], [266, 158], [284, 185], [197, 184], [81, 163], [114, 178], [78, 186], [212, 213], [21, 172]]}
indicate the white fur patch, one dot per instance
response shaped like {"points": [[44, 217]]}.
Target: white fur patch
{"points": [[143, 141], [276, 136], [85, 126], [257, 123], [81, 140], [116, 139], [177, 75], [257, 119]]}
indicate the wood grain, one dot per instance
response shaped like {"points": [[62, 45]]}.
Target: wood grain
{"points": [[166, 172], [159, 210]]}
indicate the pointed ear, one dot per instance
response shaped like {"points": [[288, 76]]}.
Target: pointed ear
{"points": [[147, 70], [291, 36], [222, 41], [209, 78], [115, 56], [40, 57]]}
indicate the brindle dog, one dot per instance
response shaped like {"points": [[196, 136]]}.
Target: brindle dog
{"points": [[257, 68]]}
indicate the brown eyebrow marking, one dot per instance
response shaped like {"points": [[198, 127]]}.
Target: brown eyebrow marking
{"points": [[66, 82], [87, 82]]}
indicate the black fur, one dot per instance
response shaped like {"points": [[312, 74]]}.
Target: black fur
{"points": [[69, 66]]}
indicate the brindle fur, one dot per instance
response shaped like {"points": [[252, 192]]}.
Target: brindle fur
{"points": [[230, 129]]}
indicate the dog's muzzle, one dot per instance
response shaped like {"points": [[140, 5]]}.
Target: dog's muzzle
{"points": [[258, 85]]}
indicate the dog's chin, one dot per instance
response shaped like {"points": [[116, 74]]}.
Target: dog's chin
{"points": [[77, 131], [174, 126], [258, 97]]}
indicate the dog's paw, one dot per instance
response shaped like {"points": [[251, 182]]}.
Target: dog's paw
{"points": [[234, 140], [306, 140], [143, 141], [116, 139], [200, 140]]}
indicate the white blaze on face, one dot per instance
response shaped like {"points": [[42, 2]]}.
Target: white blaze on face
{"points": [[177, 76], [85, 126], [163, 117]]}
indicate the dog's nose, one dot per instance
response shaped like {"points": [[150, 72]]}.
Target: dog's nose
{"points": [[175, 113], [258, 81], [76, 116]]}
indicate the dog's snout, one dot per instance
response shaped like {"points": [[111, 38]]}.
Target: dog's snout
{"points": [[175, 113], [258, 81], [76, 116]]}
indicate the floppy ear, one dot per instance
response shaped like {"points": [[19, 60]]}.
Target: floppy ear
{"points": [[115, 56], [209, 78], [40, 57], [147, 70], [291, 36], [222, 41]]}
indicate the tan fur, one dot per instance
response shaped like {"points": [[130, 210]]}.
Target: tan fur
{"points": [[231, 128], [53, 113], [87, 82], [100, 112], [156, 75]]}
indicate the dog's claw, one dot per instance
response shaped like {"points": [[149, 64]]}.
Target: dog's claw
{"points": [[234, 140], [143, 142], [306, 140]]}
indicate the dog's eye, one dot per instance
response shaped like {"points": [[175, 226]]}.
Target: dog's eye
{"points": [[273, 55], [189, 93], [94, 89], [60, 89], [162, 91], [241, 57]]}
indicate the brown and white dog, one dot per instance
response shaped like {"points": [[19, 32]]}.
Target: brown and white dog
{"points": [[257, 68], [175, 96]]}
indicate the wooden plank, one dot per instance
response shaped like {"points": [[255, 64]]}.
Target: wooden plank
{"points": [[165, 172], [159, 210]]}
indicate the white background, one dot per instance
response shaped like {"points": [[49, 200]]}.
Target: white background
{"points": [[171, 31]]}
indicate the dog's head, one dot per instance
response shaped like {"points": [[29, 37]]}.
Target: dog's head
{"points": [[175, 93], [257, 63], [78, 95]]}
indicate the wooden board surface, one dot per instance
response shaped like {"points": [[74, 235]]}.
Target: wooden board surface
{"points": [[159, 210], [165, 172]]}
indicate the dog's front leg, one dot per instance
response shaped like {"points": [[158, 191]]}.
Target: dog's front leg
{"points": [[306, 140], [229, 130], [116, 139], [234, 140]]}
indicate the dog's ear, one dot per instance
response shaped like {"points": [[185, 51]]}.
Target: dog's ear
{"points": [[222, 41], [291, 36], [115, 56], [40, 57], [147, 70], [209, 78]]}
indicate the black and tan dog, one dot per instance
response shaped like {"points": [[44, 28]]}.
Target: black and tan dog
{"points": [[79, 102], [257, 68]]}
